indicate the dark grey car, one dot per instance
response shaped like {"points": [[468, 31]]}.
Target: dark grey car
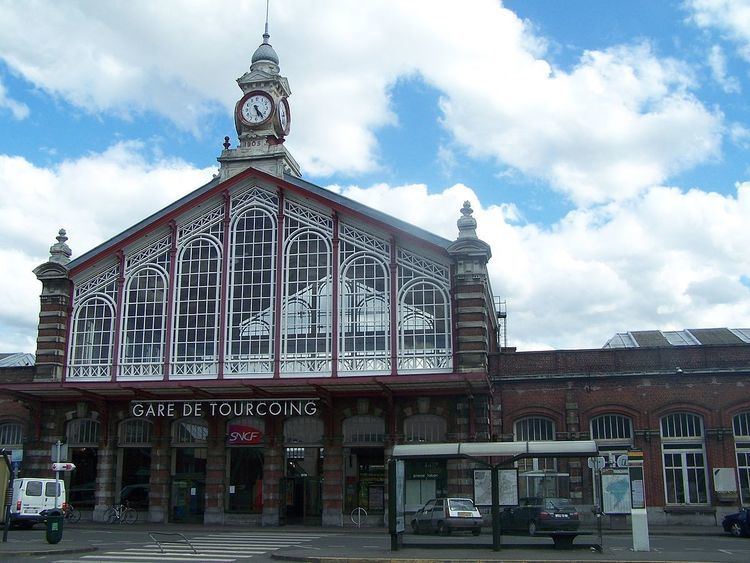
{"points": [[540, 514]]}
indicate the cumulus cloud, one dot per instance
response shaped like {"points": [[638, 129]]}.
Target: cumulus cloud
{"points": [[94, 197], [718, 65], [731, 18], [621, 120]]}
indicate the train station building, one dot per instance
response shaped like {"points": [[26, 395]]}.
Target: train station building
{"points": [[253, 352]]}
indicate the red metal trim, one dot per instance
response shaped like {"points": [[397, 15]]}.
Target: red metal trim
{"points": [[279, 287], [454, 320], [118, 316], [282, 185], [335, 298], [68, 331], [224, 290], [170, 298], [394, 307]]}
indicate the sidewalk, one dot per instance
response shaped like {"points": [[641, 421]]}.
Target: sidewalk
{"points": [[27, 543]]}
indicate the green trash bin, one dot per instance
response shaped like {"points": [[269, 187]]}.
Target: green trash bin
{"points": [[54, 525]]}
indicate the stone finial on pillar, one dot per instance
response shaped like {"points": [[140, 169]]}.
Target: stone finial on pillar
{"points": [[475, 319], [53, 314]]}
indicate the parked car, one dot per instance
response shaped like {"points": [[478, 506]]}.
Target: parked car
{"points": [[444, 515], [535, 514], [738, 523]]}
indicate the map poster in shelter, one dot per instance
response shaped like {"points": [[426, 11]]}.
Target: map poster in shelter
{"points": [[507, 485], [616, 491]]}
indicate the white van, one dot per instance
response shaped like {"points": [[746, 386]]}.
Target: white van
{"points": [[31, 496]]}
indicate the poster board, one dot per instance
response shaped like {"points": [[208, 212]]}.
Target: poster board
{"points": [[507, 485], [616, 491]]}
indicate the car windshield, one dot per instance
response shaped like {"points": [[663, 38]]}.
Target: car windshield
{"points": [[460, 504], [558, 504]]}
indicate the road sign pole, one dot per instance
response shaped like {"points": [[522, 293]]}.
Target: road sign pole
{"points": [[57, 474]]}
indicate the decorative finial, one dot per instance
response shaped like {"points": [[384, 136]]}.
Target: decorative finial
{"points": [[60, 252], [227, 144], [467, 225]]}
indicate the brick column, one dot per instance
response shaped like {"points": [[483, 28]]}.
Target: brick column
{"points": [[215, 470], [161, 459], [333, 485], [53, 314], [273, 472], [105, 474]]}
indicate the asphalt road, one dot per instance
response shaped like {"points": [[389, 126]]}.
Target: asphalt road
{"points": [[226, 545]]}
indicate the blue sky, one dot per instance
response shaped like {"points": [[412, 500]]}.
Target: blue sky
{"points": [[603, 144]]}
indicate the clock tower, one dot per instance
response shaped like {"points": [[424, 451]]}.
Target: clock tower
{"points": [[262, 117]]}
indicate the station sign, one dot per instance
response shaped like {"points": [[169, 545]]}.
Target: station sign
{"points": [[225, 408], [63, 466]]}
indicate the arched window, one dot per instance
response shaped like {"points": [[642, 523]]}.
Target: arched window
{"points": [[741, 427], [684, 458], [252, 267], [611, 427], [189, 432], [91, 352], [424, 326], [134, 432], [534, 428], [82, 437], [144, 323], [306, 311], [363, 430], [197, 308], [537, 476], [365, 315], [424, 428], [11, 435]]}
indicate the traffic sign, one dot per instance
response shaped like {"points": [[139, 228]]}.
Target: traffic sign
{"points": [[597, 462], [63, 467]]}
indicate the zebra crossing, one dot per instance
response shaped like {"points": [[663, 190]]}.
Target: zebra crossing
{"points": [[209, 548]]}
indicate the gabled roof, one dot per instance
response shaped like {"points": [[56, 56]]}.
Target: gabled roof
{"points": [[289, 182], [17, 359]]}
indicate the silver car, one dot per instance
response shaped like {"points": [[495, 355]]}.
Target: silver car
{"points": [[444, 515]]}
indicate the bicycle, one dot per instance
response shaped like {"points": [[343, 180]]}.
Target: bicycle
{"points": [[121, 513], [71, 513]]}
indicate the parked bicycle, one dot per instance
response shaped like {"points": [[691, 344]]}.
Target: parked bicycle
{"points": [[71, 513], [121, 513]]}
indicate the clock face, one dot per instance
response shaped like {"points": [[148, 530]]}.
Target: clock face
{"points": [[284, 116], [256, 108]]}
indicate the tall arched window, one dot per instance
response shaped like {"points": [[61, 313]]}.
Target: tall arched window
{"points": [[82, 437], [613, 433], [251, 293], [684, 458], [91, 352], [424, 428], [306, 312], [365, 315], [197, 308], [741, 428], [424, 326], [537, 476], [134, 452], [11, 435], [144, 323]]}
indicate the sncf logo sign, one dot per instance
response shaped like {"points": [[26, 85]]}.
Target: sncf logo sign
{"points": [[243, 435]]}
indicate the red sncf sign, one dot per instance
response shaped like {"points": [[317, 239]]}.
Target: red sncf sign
{"points": [[239, 434]]}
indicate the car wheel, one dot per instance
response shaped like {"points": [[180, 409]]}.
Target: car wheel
{"points": [[442, 529], [415, 527], [735, 529], [532, 528]]}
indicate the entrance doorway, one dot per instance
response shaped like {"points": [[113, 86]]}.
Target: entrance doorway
{"points": [[187, 495], [302, 500], [188, 500]]}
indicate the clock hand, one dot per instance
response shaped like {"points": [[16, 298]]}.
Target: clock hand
{"points": [[257, 111]]}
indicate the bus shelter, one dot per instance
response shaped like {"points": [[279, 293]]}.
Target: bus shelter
{"points": [[483, 454]]}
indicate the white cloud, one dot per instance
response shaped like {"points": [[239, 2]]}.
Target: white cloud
{"points": [[18, 110], [717, 62], [94, 197], [730, 17], [623, 119]]}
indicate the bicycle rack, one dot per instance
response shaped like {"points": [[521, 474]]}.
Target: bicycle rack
{"points": [[356, 516], [181, 539]]}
